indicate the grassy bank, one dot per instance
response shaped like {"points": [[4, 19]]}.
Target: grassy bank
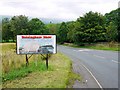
{"points": [[98, 46], [13, 65], [35, 75]]}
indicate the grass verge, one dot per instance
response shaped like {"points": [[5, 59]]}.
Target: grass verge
{"points": [[99, 46], [59, 74], [23, 71]]}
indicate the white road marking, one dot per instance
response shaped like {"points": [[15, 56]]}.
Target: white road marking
{"points": [[115, 61], [84, 50], [98, 56], [92, 76]]}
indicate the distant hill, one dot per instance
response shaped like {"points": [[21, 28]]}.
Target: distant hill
{"points": [[4, 16], [48, 20], [45, 20]]}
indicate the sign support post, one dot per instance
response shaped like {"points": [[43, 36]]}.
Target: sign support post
{"points": [[47, 61], [27, 62]]}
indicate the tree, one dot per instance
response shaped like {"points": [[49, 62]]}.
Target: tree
{"points": [[36, 26], [53, 28], [90, 28], [6, 32], [71, 30], [62, 33], [0, 31], [118, 23], [113, 25], [19, 25], [112, 33]]}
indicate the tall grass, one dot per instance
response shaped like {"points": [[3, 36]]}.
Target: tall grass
{"points": [[14, 66], [10, 60], [23, 71]]}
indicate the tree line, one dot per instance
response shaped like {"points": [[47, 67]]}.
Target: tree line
{"points": [[91, 27], [19, 25]]}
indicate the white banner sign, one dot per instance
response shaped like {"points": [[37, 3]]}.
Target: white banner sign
{"points": [[36, 44]]}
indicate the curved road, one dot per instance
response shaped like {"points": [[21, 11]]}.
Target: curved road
{"points": [[102, 64]]}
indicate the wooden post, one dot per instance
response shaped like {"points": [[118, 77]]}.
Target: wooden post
{"points": [[27, 62], [47, 61]]}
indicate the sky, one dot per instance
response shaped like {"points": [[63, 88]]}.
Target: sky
{"points": [[59, 9]]}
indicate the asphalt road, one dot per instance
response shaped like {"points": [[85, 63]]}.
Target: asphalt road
{"points": [[102, 64]]}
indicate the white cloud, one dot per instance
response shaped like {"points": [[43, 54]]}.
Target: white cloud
{"points": [[62, 9]]}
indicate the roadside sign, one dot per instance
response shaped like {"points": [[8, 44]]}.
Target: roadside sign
{"points": [[36, 44]]}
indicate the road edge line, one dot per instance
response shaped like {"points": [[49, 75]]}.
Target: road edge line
{"points": [[93, 76]]}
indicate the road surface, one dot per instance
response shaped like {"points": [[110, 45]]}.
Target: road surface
{"points": [[103, 65]]}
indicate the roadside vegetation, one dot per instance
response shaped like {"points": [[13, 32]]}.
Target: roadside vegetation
{"points": [[92, 27], [10, 60], [112, 46], [15, 74]]}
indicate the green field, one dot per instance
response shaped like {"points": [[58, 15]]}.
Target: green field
{"points": [[16, 75]]}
